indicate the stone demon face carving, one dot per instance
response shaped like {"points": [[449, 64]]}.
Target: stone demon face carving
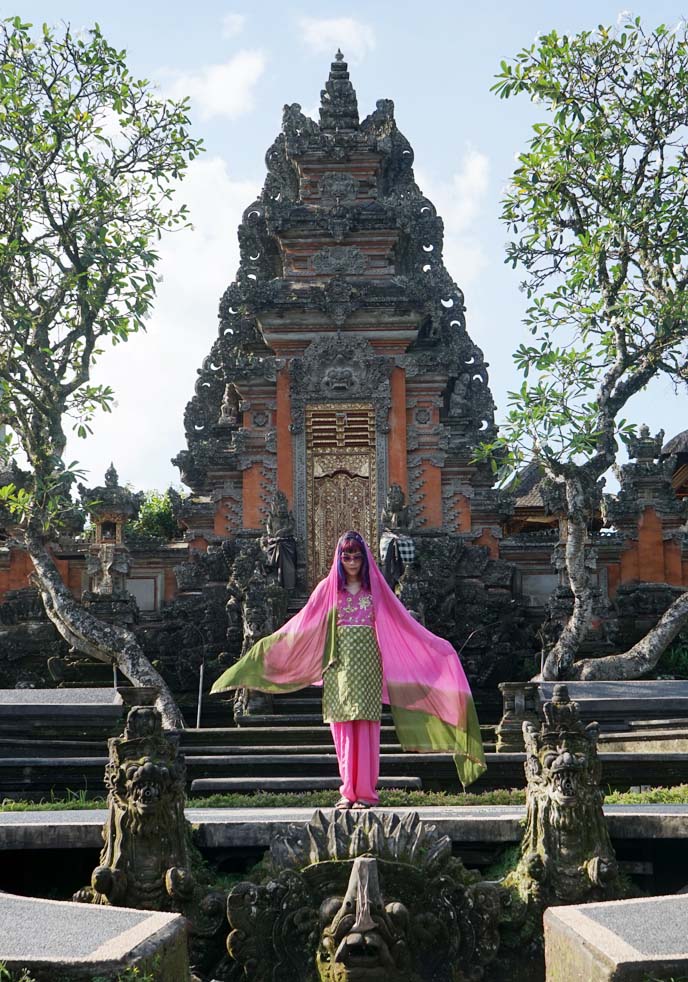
{"points": [[145, 785], [144, 775], [362, 938], [566, 852], [148, 860], [562, 766], [364, 898], [339, 377]]}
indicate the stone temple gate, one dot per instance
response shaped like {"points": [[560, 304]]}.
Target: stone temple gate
{"points": [[342, 366], [342, 363]]}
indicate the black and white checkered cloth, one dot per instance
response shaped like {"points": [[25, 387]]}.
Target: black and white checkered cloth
{"points": [[405, 545]]}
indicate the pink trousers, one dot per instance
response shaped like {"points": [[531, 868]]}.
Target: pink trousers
{"points": [[357, 743]]}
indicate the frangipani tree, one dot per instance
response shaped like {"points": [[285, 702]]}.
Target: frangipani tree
{"points": [[88, 157], [598, 212]]}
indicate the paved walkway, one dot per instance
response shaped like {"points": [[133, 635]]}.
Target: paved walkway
{"points": [[80, 829]]}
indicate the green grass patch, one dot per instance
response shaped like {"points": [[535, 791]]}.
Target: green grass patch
{"points": [[674, 661], [677, 795], [326, 799], [306, 799], [132, 974], [7, 976]]}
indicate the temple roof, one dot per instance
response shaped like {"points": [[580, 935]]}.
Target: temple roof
{"points": [[526, 487], [678, 444]]}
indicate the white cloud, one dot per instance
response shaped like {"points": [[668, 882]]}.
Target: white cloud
{"points": [[459, 202], [153, 375], [325, 35], [221, 90], [232, 24]]}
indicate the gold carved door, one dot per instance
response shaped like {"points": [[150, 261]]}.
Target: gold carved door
{"points": [[340, 455]]}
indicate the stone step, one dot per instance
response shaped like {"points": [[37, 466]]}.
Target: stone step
{"points": [[281, 750], [56, 939], [28, 747], [680, 722], [308, 692], [277, 750], [260, 735], [297, 707], [220, 785], [292, 719], [45, 750], [674, 740], [85, 714]]}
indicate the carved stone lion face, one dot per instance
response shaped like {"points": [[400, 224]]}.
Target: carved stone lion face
{"points": [[564, 768], [561, 763], [145, 784]]}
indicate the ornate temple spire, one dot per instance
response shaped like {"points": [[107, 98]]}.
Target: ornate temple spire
{"points": [[338, 105]]}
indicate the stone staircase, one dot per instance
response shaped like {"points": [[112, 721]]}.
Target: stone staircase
{"points": [[60, 746], [288, 750]]}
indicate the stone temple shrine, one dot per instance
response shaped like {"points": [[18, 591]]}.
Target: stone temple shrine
{"points": [[343, 364]]}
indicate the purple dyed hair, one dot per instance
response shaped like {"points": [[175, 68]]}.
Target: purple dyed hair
{"points": [[350, 540]]}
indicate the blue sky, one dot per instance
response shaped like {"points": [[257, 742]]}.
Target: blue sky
{"points": [[240, 62]]}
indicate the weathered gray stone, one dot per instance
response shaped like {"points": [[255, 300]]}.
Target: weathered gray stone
{"points": [[624, 941], [566, 852], [59, 700], [148, 860], [57, 940], [364, 895], [628, 699], [618, 707]]}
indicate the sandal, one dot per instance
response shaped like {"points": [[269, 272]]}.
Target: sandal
{"points": [[344, 804], [360, 806]]}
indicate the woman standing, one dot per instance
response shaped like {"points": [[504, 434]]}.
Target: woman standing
{"points": [[352, 682], [356, 637]]}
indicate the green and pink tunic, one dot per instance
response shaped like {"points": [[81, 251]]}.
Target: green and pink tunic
{"points": [[352, 683]]}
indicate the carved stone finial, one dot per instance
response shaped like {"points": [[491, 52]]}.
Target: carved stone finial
{"points": [[111, 477], [645, 448], [338, 104], [339, 56]]}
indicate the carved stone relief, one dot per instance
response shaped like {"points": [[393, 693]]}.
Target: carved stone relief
{"points": [[338, 188], [339, 260], [340, 368]]}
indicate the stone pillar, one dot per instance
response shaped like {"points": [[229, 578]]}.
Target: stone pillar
{"points": [[520, 703], [285, 460], [398, 473]]}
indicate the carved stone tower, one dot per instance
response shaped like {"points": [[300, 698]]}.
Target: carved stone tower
{"points": [[342, 363]]}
